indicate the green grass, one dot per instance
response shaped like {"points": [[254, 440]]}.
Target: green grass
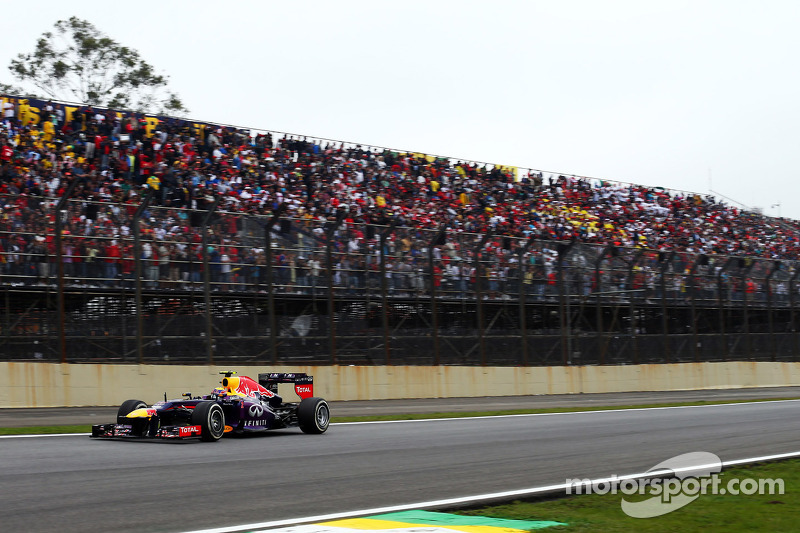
{"points": [[45, 430], [31, 430], [423, 416], [708, 513]]}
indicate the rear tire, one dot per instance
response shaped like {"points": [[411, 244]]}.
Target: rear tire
{"points": [[211, 419], [128, 406], [313, 415]]}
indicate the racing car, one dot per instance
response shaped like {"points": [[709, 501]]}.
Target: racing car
{"points": [[241, 405]]}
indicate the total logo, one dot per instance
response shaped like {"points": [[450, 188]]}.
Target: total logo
{"points": [[188, 431], [302, 389]]}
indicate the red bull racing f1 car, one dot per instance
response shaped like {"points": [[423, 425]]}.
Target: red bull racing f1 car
{"points": [[240, 405]]}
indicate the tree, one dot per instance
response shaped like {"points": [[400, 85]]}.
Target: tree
{"points": [[6, 88], [79, 62]]}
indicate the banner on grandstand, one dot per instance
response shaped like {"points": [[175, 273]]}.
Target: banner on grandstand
{"points": [[512, 171], [29, 112]]}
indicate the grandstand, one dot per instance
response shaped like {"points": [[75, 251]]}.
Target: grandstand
{"points": [[135, 238]]}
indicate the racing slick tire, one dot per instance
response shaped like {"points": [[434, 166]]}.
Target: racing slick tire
{"points": [[211, 419], [128, 406], [313, 415], [139, 426]]}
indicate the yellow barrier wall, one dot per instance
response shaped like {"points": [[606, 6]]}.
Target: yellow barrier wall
{"points": [[57, 385]]}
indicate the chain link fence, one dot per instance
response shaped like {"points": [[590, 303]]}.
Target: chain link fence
{"points": [[107, 282]]}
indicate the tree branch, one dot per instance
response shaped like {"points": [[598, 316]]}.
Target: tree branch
{"points": [[78, 61]]}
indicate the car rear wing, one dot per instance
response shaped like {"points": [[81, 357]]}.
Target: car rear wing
{"points": [[303, 383]]}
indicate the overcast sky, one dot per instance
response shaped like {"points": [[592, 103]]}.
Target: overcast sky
{"points": [[691, 95]]}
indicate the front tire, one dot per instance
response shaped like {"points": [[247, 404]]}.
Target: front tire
{"points": [[313, 415], [128, 406], [211, 419], [139, 426]]}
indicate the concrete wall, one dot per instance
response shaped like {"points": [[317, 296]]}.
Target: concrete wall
{"points": [[56, 385]]}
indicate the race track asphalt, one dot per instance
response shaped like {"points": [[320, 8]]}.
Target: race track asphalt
{"points": [[77, 484], [59, 416]]}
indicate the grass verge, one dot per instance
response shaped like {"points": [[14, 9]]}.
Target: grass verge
{"points": [[708, 513], [35, 430], [46, 430], [471, 414]]}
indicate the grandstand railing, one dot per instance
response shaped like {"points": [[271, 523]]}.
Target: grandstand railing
{"points": [[138, 283]]}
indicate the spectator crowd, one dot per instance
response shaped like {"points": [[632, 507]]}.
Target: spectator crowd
{"points": [[115, 158]]}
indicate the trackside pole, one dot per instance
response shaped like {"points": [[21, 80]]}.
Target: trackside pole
{"points": [[748, 265], [523, 322], [329, 233], [137, 261], [611, 251], [566, 348], [207, 282], [776, 265], [385, 303], [479, 295], [665, 260], [722, 293], [62, 336], [437, 239], [273, 323], [792, 300]]}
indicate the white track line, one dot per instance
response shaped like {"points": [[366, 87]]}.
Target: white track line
{"points": [[601, 411], [470, 499], [45, 435], [561, 413]]}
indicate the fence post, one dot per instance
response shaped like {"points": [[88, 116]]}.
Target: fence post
{"points": [[479, 295], [207, 281], [776, 265], [631, 294], [523, 322], [701, 259], [722, 298], [665, 260], [273, 324], [565, 320], [137, 262], [384, 299], [611, 251], [329, 274], [62, 334], [747, 264], [437, 239], [793, 314]]}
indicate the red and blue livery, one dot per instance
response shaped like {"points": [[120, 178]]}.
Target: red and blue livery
{"points": [[240, 405]]}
